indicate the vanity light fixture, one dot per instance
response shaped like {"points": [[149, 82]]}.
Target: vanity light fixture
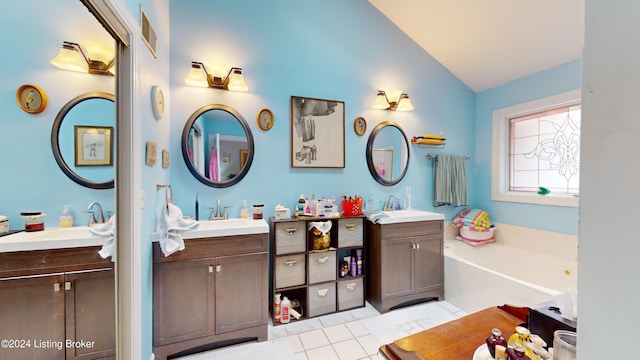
{"points": [[199, 76], [394, 100], [91, 57]]}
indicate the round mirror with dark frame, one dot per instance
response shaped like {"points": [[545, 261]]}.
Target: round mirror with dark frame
{"points": [[217, 145], [83, 139], [388, 153]]}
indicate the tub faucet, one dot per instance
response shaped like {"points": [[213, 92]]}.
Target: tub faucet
{"points": [[390, 205], [93, 219]]}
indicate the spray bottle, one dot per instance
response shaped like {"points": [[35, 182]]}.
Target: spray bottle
{"points": [[277, 309]]}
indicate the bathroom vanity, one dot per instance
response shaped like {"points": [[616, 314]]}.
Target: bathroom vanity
{"points": [[214, 292], [405, 260], [49, 297]]}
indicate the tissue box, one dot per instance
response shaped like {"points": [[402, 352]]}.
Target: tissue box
{"points": [[4, 224], [282, 213], [545, 320]]}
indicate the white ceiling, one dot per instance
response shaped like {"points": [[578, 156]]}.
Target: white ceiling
{"points": [[487, 43]]}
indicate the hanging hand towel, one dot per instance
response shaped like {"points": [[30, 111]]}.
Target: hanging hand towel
{"points": [[107, 231], [175, 224], [450, 180]]}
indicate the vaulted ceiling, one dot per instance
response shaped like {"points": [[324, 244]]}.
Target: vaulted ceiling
{"points": [[487, 43]]}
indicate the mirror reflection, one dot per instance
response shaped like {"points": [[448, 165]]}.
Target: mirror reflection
{"points": [[83, 139], [217, 145], [388, 153]]}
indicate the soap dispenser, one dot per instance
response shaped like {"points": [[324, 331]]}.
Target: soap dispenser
{"points": [[65, 220], [244, 212]]}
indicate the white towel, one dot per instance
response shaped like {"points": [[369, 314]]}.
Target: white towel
{"points": [[108, 232], [174, 225]]}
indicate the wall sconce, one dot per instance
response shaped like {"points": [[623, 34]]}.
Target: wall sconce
{"points": [[199, 76], [394, 100], [97, 59]]}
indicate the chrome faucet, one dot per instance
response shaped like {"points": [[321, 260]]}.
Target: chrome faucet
{"points": [[93, 219], [390, 205], [216, 214]]}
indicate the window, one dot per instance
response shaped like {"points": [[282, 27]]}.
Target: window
{"points": [[537, 144]]}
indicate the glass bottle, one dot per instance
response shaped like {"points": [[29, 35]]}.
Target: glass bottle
{"points": [[495, 339], [516, 353]]}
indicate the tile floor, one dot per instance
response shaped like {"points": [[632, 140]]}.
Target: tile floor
{"points": [[349, 335]]}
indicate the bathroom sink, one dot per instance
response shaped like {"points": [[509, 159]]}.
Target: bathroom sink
{"points": [[229, 227], [409, 215], [53, 238]]}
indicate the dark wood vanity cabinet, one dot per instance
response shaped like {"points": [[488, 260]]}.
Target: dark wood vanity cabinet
{"points": [[211, 294], [50, 299], [406, 263]]}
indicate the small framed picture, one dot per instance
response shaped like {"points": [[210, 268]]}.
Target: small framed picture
{"points": [[93, 145], [359, 125]]}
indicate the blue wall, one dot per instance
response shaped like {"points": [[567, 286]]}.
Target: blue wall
{"points": [[554, 81], [336, 50]]}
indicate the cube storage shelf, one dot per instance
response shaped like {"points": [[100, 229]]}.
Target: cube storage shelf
{"points": [[312, 279]]}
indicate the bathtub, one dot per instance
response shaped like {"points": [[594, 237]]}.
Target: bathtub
{"points": [[523, 267]]}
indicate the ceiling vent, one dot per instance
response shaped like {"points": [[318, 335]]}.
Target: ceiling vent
{"points": [[149, 34]]}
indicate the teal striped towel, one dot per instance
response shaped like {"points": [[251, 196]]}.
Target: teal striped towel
{"points": [[450, 180]]}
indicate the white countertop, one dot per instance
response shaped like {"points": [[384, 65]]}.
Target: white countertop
{"points": [[53, 238], [229, 227]]}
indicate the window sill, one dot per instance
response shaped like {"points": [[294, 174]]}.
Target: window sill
{"points": [[531, 198]]}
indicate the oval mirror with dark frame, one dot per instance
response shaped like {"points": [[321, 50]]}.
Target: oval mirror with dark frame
{"points": [[217, 145], [388, 153], [82, 139]]}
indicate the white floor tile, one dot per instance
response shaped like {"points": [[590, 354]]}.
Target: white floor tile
{"points": [[276, 332], [313, 339], [300, 356], [293, 341], [357, 329], [337, 333], [349, 350], [297, 327], [337, 318], [369, 344], [322, 353]]}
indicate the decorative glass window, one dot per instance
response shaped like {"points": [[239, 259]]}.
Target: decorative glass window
{"points": [[544, 151], [537, 145]]}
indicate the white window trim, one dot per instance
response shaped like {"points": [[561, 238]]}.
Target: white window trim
{"points": [[500, 151]]}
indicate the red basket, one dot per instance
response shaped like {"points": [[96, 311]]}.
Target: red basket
{"points": [[352, 207]]}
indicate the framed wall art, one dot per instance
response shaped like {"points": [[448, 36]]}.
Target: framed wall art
{"points": [[317, 133], [93, 145]]}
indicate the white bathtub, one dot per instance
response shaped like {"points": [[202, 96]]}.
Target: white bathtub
{"points": [[524, 267]]}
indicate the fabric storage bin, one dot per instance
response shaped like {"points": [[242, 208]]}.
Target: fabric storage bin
{"points": [[290, 237], [350, 294], [321, 299], [290, 270], [322, 266], [350, 232]]}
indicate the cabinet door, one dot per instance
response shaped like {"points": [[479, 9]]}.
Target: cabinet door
{"points": [[32, 318], [241, 290], [396, 267], [183, 301], [429, 263], [90, 302]]}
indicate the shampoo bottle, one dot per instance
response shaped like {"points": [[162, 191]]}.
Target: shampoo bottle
{"points": [[277, 309], [65, 220], [285, 307]]}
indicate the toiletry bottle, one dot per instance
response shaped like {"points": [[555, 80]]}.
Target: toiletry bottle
{"points": [[65, 220], [244, 212], [516, 353], [354, 267], [285, 307], [359, 262], [495, 339], [277, 309], [300, 207]]}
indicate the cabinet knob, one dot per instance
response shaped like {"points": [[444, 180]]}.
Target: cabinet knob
{"points": [[56, 287], [417, 246], [210, 269], [290, 231], [67, 285], [218, 268]]}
